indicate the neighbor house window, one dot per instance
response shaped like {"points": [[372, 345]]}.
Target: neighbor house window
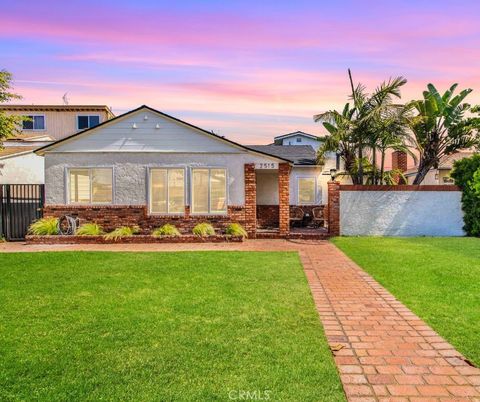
{"points": [[91, 186], [34, 122], [299, 139], [209, 191], [306, 190], [167, 191], [84, 122]]}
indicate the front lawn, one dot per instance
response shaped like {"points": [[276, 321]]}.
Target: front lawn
{"points": [[160, 326], [437, 278]]}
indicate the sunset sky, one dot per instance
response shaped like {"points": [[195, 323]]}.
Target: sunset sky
{"points": [[248, 70]]}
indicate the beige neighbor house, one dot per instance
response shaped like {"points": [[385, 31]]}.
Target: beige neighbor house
{"points": [[441, 175], [148, 168], [46, 124]]}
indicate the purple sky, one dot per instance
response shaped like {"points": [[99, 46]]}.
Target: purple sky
{"points": [[248, 70]]}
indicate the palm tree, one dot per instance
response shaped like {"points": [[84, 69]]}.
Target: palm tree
{"points": [[441, 127], [340, 126], [392, 133], [356, 129]]}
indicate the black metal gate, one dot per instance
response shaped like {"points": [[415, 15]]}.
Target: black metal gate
{"points": [[20, 205]]}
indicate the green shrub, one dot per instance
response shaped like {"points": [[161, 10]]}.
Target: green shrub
{"points": [[235, 229], [44, 227], [466, 173], [89, 229], [166, 230], [123, 231], [203, 230]]}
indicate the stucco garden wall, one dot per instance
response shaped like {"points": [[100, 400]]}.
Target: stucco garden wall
{"points": [[401, 213]]}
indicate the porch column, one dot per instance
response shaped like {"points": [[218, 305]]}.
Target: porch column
{"points": [[333, 208], [250, 200], [284, 198]]}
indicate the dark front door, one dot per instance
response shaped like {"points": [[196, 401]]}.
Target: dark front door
{"points": [[20, 205]]}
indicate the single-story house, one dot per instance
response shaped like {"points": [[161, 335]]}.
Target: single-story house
{"points": [[148, 168]]}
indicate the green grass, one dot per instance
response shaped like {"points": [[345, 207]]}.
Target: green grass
{"points": [[437, 278], [160, 326]]}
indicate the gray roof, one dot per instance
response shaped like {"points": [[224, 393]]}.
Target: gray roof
{"points": [[298, 154]]}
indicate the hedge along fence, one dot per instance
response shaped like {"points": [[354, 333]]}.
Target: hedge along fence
{"points": [[402, 210], [466, 173]]}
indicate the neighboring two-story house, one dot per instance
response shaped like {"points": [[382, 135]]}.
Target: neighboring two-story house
{"points": [[46, 124], [298, 138]]}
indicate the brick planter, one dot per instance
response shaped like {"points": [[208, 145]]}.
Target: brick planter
{"points": [[137, 239]]}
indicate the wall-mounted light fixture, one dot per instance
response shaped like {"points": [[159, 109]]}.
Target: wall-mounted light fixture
{"points": [[333, 174]]}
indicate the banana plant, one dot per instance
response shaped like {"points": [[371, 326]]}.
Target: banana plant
{"points": [[442, 125]]}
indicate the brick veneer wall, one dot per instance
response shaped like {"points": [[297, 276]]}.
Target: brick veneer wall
{"points": [[333, 208], [268, 215], [113, 216], [250, 217], [284, 198]]}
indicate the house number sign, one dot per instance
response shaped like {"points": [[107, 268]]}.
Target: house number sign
{"points": [[266, 165]]}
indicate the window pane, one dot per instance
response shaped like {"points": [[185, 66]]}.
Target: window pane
{"points": [[28, 124], [218, 190], [79, 185], [306, 190], [102, 185], [200, 191], [94, 121], [82, 122], [158, 191], [39, 122], [176, 191]]}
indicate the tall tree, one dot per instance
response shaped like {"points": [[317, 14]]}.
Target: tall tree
{"points": [[9, 124], [360, 122], [340, 127], [443, 125]]}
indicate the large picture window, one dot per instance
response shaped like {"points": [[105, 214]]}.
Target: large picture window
{"points": [[167, 191], [90, 185], [306, 190], [209, 191]]}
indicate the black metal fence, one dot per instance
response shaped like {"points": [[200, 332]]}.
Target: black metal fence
{"points": [[20, 205]]}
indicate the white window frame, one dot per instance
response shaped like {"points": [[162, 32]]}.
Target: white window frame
{"points": [[87, 115], [149, 190], [90, 168], [315, 195], [36, 115], [209, 213]]}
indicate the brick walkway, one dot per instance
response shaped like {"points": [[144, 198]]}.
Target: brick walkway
{"points": [[388, 353]]}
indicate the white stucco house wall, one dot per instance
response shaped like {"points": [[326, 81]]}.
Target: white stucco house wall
{"points": [[151, 168]]}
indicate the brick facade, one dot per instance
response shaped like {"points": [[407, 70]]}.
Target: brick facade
{"points": [[333, 208], [113, 216], [250, 215], [268, 215], [284, 198]]}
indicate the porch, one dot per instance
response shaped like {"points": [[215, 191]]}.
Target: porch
{"points": [[283, 206]]}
